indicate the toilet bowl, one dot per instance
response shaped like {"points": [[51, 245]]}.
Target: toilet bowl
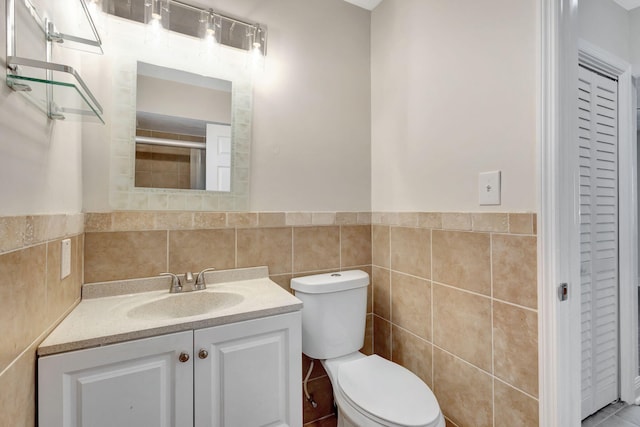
{"points": [[369, 391]]}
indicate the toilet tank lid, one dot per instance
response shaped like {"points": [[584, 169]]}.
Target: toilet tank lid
{"points": [[330, 282]]}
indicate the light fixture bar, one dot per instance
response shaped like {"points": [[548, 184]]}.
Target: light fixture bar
{"points": [[225, 17], [190, 20], [254, 31]]}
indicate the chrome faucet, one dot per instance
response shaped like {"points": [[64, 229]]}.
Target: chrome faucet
{"points": [[176, 286], [200, 282], [188, 278], [193, 285]]}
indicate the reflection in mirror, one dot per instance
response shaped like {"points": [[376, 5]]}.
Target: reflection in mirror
{"points": [[128, 45], [183, 130]]}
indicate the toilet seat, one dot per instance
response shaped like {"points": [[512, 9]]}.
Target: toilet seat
{"points": [[387, 393]]}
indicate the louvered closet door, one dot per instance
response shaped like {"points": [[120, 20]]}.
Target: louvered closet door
{"points": [[598, 144]]}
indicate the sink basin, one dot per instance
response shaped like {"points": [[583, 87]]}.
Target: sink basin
{"points": [[185, 305]]}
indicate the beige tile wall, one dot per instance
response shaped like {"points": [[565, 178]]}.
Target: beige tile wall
{"points": [[139, 244], [455, 301], [33, 300]]}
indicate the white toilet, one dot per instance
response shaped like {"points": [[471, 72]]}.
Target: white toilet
{"points": [[369, 390]]}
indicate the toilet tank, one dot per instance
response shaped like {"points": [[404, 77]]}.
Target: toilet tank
{"points": [[334, 312]]}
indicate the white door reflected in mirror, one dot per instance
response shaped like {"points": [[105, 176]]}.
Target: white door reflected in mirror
{"points": [[218, 170]]}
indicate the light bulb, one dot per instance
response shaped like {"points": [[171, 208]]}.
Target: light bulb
{"points": [[156, 13], [93, 7]]}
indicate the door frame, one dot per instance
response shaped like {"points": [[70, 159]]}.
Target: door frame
{"points": [[558, 220]]}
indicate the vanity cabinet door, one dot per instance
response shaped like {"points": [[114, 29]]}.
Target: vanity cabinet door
{"points": [[250, 374], [132, 384]]}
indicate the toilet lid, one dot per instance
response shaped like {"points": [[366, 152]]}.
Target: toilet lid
{"points": [[388, 391]]}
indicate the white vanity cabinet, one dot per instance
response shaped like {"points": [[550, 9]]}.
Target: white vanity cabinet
{"points": [[240, 374], [135, 383], [251, 375]]}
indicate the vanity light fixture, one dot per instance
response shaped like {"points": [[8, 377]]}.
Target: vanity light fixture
{"points": [[258, 39], [156, 13], [212, 27]]}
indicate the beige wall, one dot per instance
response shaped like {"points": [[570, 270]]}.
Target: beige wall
{"points": [[453, 94], [454, 295], [312, 122], [311, 109], [443, 110]]}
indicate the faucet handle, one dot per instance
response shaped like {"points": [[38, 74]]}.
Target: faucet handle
{"points": [[175, 283], [200, 282]]}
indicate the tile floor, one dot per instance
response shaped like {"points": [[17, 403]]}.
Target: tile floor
{"points": [[615, 415], [330, 421]]}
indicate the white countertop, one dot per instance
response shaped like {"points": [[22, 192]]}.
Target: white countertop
{"points": [[106, 320]]}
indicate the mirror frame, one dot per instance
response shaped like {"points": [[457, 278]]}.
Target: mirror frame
{"points": [[127, 40]]}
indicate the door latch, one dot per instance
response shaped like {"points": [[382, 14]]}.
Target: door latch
{"points": [[563, 292]]}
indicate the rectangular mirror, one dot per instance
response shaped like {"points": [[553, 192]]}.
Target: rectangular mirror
{"points": [[183, 130], [138, 124]]}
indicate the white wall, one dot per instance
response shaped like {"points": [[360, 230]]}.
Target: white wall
{"points": [[40, 159], [311, 109], [453, 95], [605, 24], [634, 39]]}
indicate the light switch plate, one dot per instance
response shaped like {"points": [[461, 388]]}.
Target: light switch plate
{"points": [[489, 188], [65, 258]]}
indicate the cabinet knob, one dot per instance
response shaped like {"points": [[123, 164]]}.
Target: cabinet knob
{"points": [[202, 354], [184, 357]]}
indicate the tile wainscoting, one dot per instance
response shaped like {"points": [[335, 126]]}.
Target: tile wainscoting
{"points": [[455, 301], [33, 300], [453, 295]]}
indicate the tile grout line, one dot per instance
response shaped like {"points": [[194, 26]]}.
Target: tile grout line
{"points": [[340, 247], [433, 371], [46, 276], [166, 264], [493, 362], [466, 362], [390, 300], [235, 244]]}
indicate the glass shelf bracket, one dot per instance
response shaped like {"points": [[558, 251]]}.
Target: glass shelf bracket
{"points": [[57, 89]]}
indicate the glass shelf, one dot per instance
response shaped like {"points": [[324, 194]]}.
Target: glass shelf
{"points": [[56, 89], [70, 24]]}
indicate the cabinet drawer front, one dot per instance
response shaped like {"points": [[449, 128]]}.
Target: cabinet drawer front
{"points": [[136, 383], [252, 375]]}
